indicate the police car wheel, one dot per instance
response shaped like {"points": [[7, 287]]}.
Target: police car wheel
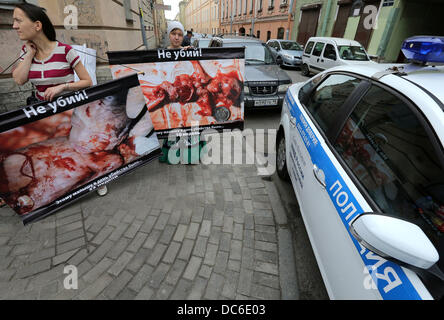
{"points": [[281, 160]]}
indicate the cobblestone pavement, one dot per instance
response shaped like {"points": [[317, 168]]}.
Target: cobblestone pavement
{"points": [[162, 232]]}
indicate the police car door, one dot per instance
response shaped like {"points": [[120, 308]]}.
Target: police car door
{"points": [[323, 196], [328, 196]]}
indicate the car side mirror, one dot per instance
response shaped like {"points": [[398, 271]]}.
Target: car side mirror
{"points": [[394, 238]]}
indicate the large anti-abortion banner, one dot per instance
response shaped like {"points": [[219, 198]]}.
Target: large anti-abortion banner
{"points": [[53, 153], [188, 88]]}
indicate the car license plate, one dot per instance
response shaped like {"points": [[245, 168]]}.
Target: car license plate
{"points": [[268, 102]]}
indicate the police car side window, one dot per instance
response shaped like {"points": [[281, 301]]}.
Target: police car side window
{"points": [[325, 101], [389, 151], [309, 47]]}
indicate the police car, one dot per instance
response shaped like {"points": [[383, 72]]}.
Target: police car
{"points": [[363, 149]]}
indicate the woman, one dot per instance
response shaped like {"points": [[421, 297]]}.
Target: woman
{"points": [[47, 63], [42, 52], [175, 33]]}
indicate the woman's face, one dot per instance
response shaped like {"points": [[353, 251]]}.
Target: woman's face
{"points": [[176, 38], [25, 27]]}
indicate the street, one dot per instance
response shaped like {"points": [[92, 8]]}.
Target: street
{"points": [[310, 283]]}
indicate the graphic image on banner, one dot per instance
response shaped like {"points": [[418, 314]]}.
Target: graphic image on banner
{"points": [[52, 153], [188, 88]]}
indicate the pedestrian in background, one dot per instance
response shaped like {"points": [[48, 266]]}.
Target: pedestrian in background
{"points": [[187, 39], [47, 63]]}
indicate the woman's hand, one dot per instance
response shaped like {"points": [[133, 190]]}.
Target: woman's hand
{"points": [[50, 93], [31, 49]]}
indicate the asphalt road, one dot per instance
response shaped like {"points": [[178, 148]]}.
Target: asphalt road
{"points": [[310, 284]]}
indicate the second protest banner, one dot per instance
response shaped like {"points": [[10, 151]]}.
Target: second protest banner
{"points": [[188, 88]]}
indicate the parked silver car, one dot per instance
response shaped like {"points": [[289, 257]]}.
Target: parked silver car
{"points": [[265, 83], [288, 53]]}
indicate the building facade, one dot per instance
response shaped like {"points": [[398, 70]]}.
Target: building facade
{"points": [[264, 19], [202, 16], [181, 16], [379, 25]]}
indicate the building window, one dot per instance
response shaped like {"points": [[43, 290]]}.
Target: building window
{"points": [[280, 33], [258, 33], [128, 14], [268, 35]]}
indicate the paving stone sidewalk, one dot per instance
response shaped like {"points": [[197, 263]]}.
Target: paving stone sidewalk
{"points": [[162, 232]]}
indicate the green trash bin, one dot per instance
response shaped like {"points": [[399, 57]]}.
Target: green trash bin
{"points": [[187, 150]]}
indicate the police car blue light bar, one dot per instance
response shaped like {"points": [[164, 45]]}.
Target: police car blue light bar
{"points": [[424, 49]]}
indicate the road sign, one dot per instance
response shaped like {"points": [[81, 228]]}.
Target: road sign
{"points": [[159, 6]]}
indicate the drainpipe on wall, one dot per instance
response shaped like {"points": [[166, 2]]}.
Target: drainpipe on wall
{"points": [[254, 18], [327, 13], [142, 27], [231, 22], [290, 11]]}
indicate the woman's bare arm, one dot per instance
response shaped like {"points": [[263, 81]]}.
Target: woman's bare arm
{"points": [[20, 74], [84, 82], [84, 78]]}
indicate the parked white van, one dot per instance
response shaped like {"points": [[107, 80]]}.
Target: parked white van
{"points": [[322, 53]]}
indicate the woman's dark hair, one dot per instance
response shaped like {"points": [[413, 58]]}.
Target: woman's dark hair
{"points": [[36, 13]]}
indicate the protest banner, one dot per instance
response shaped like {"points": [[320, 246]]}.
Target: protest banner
{"points": [[52, 153], [188, 88]]}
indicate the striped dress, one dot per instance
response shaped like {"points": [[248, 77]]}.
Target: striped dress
{"points": [[57, 69]]}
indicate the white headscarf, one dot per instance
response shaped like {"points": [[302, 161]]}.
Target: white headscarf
{"points": [[175, 25]]}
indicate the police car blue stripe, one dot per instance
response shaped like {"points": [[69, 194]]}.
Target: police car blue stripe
{"points": [[345, 208]]}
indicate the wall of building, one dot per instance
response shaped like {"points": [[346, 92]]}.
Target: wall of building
{"points": [[251, 16], [298, 15], [415, 18], [182, 14], [202, 16]]}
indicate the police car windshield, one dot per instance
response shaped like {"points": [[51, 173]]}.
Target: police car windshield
{"points": [[352, 53], [255, 53], [289, 45]]}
